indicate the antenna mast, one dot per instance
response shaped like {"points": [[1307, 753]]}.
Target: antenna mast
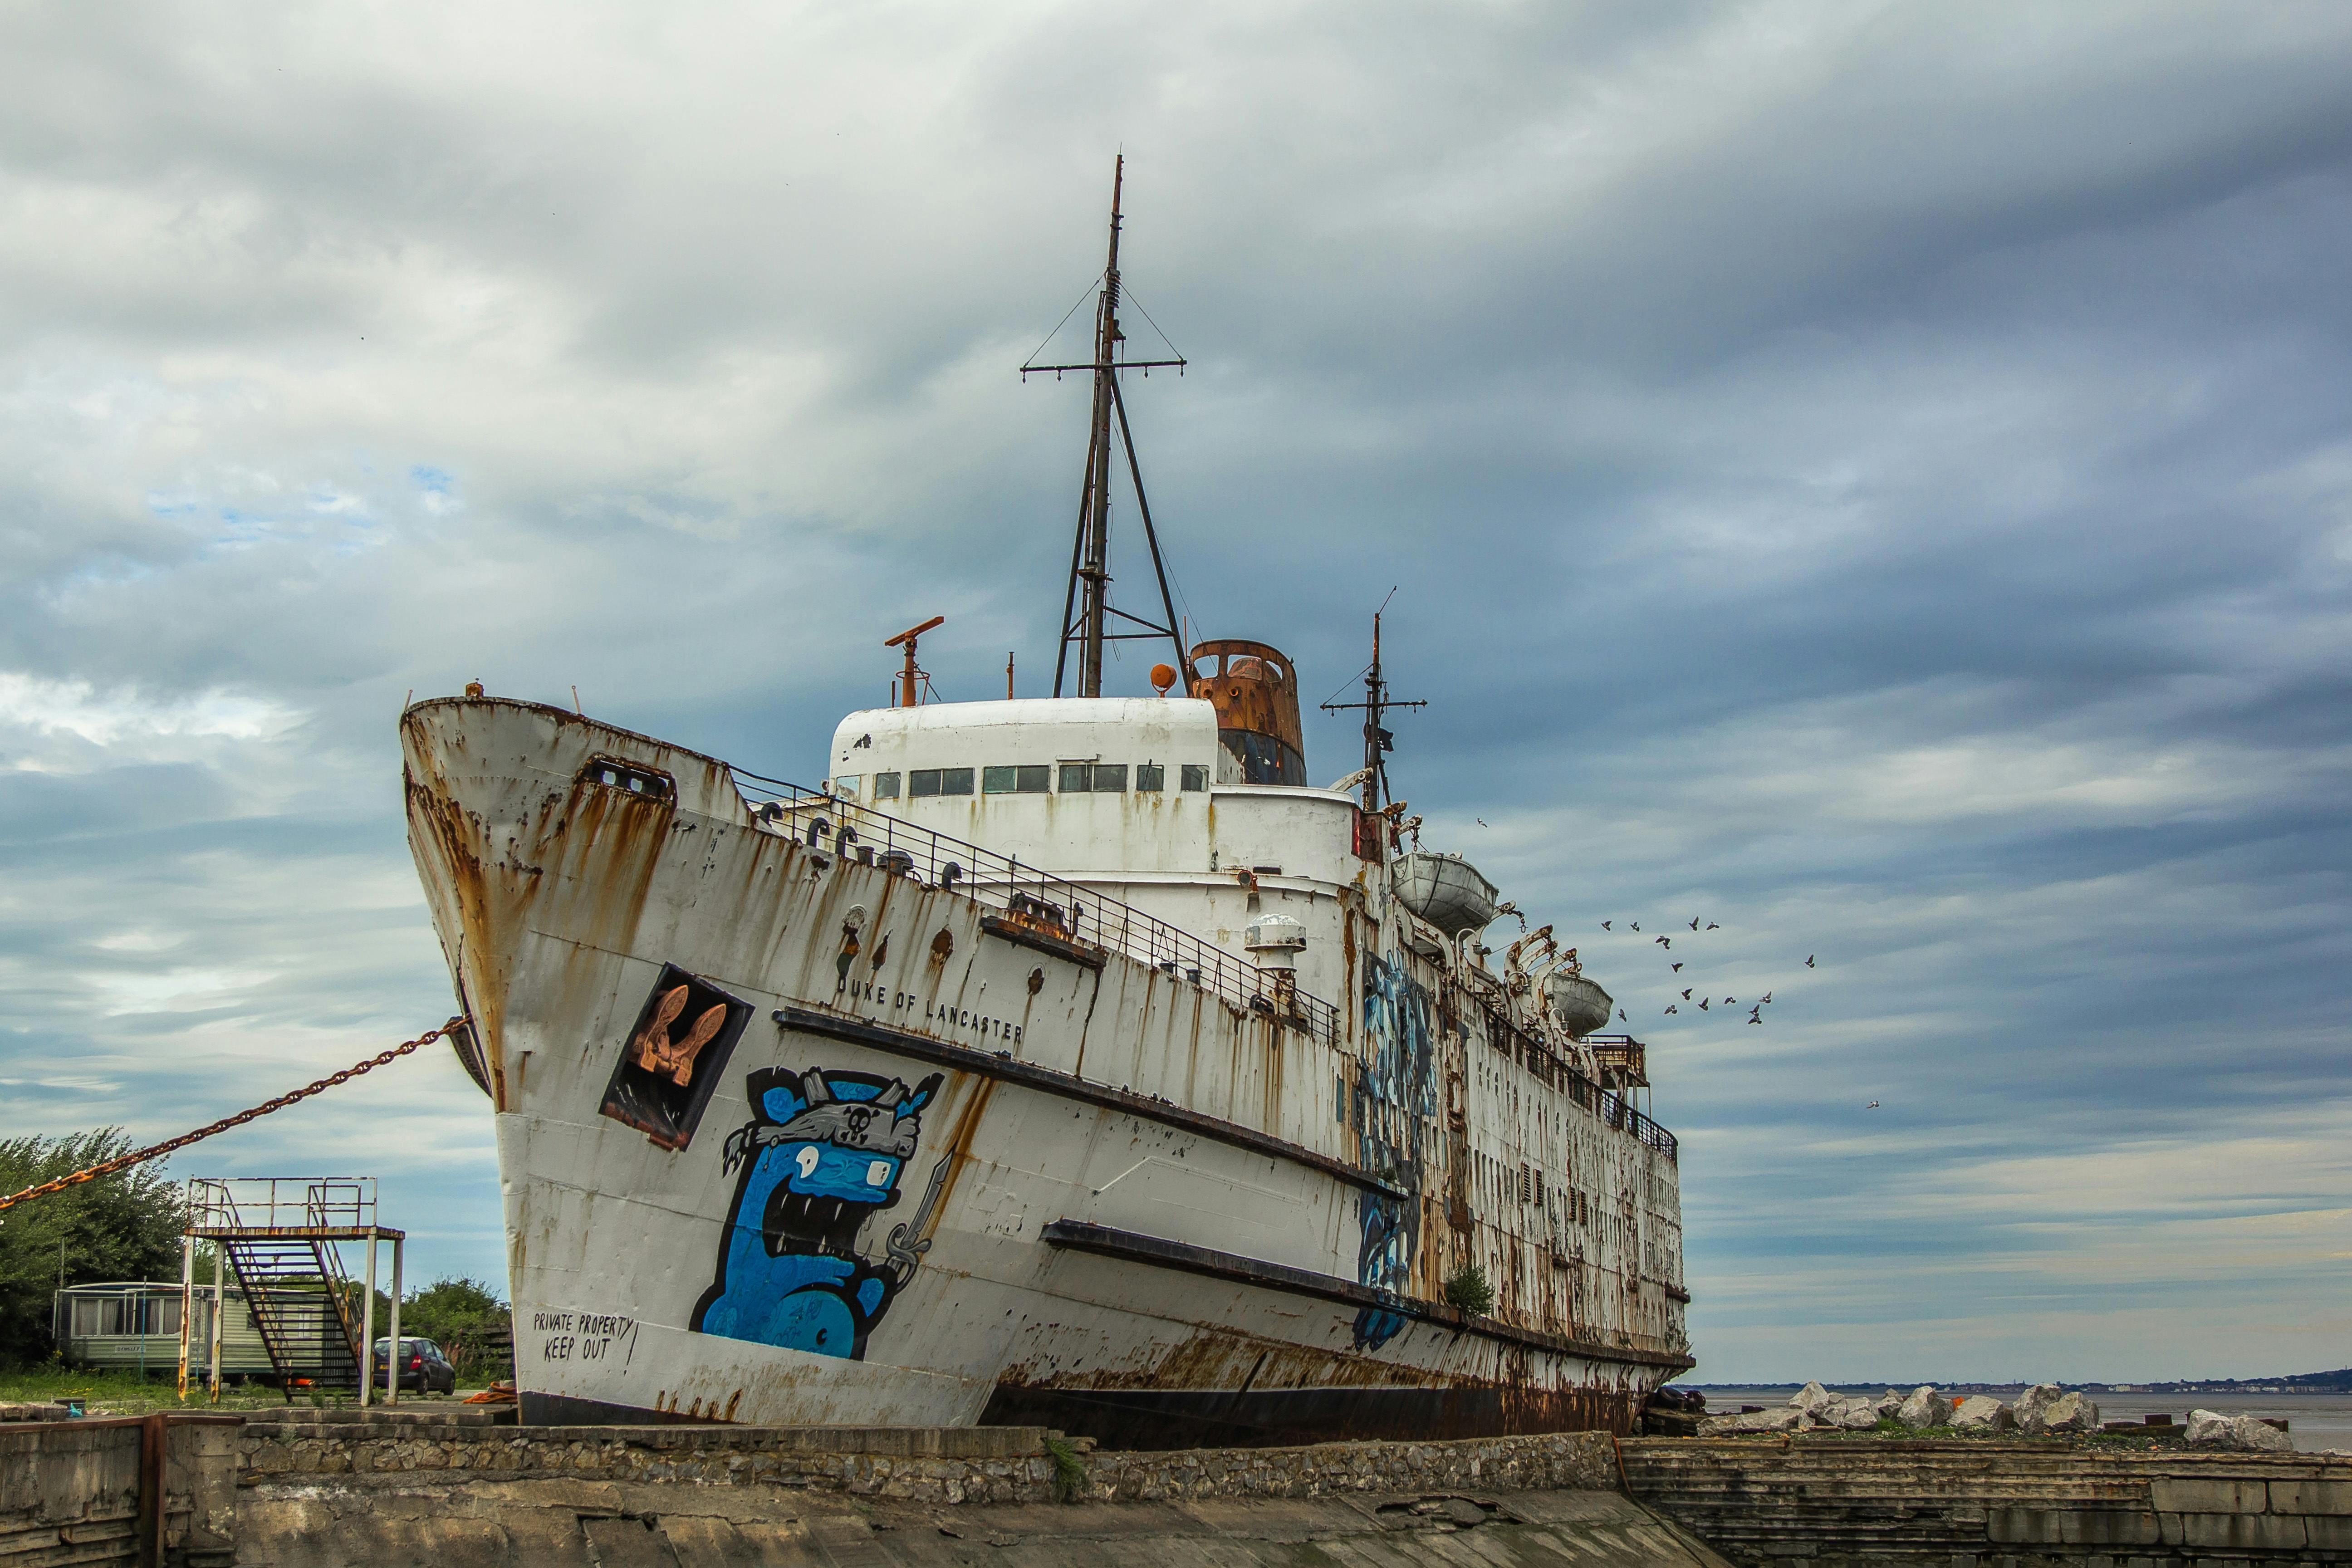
{"points": [[1377, 741], [1089, 588]]}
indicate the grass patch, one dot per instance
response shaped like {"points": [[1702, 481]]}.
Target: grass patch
{"points": [[119, 1393], [116, 1393], [1891, 1430]]}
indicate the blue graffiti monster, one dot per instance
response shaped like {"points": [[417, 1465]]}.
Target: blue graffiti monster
{"points": [[823, 1153]]}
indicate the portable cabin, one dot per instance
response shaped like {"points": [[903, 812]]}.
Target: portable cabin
{"points": [[134, 1326]]}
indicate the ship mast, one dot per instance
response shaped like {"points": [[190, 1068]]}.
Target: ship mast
{"points": [[1376, 704], [1094, 516], [1086, 608]]}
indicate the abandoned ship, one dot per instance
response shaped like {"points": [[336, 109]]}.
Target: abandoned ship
{"points": [[1068, 1060]]}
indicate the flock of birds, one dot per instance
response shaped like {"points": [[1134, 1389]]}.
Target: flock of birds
{"points": [[1706, 1003]]}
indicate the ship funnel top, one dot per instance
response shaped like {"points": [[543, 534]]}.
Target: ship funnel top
{"points": [[1256, 693]]}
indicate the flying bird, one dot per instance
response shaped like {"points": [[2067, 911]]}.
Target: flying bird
{"points": [[1754, 1019], [1809, 961], [1686, 991], [1712, 926], [1621, 1015], [1479, 820], [1637, 925], [1872, 1106], [1604, 925], [1678, 969], [1665, 941], [1694, 922], [1731, 1001], [1768, 997], [1755, 1015], [1702, 1003], [1670, 1007]]}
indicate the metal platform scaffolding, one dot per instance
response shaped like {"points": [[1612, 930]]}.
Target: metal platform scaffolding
{"points": [[283, 1237]]}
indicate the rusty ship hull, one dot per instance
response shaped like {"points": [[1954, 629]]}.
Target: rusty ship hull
{"points": [[791, 1131]]}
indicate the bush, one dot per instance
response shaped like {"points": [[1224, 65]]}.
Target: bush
{"points": [[123, 1226], [1467, 1288], [1069, 1469]]}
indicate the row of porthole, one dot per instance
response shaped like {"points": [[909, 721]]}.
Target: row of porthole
{"points": [[1028, 778]]}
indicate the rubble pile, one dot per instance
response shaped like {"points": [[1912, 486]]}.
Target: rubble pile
{"points": [[2043, 1410]]}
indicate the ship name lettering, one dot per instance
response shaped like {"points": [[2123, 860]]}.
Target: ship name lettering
{"points": [[965, 1018], [933, 1012]]}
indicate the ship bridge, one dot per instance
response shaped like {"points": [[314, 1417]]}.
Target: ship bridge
{"points": [[1148, 799]]}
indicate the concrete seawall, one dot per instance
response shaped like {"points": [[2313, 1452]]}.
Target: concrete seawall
{"points": [[320, 1493], [1841, 1504], [458, 1489], [944, 1465]]}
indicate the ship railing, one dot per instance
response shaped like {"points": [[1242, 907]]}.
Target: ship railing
{"points": [[1036, 904], [1615, 1107], [294, 1205]]}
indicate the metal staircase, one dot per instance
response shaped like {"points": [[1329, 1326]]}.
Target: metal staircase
{"points": [[299, 1303], [279, 1235]]}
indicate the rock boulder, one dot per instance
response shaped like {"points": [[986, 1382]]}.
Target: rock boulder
{"points": [[1924, 1407], [2211, 1429], [1981, 1412], [2047, 1408], [1786, 1418], [1852, 1411]]}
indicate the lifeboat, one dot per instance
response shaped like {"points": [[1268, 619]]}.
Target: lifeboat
{"points": [[1581, 1006], [1445, 890]]}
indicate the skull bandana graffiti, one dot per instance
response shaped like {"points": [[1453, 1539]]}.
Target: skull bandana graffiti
{"points": [[822, 1155]]}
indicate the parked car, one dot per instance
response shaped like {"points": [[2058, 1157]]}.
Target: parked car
{"points": [[422, 1365]]}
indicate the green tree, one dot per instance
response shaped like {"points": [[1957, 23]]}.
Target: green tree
{"points": [[464, 1317], [123, 1226]]}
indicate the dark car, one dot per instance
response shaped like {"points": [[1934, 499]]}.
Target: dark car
{"points": [[423, 1367]]}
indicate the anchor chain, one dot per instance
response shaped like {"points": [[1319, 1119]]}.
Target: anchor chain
{"points": [[157, 1151]]}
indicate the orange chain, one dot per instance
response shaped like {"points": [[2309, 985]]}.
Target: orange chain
{"points": [[140, 1156]]}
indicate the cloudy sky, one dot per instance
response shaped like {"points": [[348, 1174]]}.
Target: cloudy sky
{"points": [[1875, 477]]}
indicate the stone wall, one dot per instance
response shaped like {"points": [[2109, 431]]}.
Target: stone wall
{"points": [[1839, 1504], [967, 1465]]}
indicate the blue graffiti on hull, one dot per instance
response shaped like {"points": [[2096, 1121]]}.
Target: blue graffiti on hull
{"points": [[822, 1153], [1395, 1092]]}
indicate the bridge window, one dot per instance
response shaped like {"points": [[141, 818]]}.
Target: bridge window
{"points": [[1077, 777], [1111, 778], [1150, 777], [1195, 776], [925, 782], [885, 786], [1022, 779]]}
